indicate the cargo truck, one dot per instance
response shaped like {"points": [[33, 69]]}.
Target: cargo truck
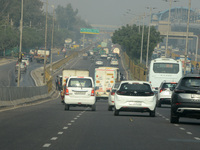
{"points": [[104, 78], [40, 54]]}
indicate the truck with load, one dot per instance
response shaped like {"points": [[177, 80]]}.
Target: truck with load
{"points": [[68, 73], [40, 54], [104, 78]]}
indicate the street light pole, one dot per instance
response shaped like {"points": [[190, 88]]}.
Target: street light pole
{"points": [[142, 39], [20, 45], [147, 57], [45, 57], [166, 47], [186, 45], [52, 38]]}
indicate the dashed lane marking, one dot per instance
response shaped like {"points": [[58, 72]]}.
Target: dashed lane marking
{"points": [[54, 138], [65, 128], [60, 133], [182, 128], [189, 133], [47, 145], [197, 138], [72, 121], [69, 124]]}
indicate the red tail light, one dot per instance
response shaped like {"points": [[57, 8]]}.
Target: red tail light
{"points": [[112, 93], [67, 91], [162, 90], [92, 92]]}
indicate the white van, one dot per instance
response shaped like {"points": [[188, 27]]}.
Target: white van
{"points": [[80, 91]]}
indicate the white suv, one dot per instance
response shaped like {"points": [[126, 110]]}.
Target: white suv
{"points": [[135, 96], [79, 91]]}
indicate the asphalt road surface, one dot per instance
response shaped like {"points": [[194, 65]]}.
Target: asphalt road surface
{"points": [[47, 126]]}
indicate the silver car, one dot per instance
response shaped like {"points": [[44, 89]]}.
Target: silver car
{"points": [[165, 92], [111, 96]]}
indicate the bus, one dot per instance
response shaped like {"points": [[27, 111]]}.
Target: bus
{"points": [[164, 69]]}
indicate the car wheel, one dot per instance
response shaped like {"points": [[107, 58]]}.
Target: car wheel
{"points": [[94, 107], [174, 118], [66, 107], [116, 112], [109, 108], [152, 113]]}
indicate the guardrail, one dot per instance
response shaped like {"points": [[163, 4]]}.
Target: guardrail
{"points": [[137, 72]]}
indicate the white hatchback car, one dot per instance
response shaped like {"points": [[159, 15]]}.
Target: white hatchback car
{"points": [[136, 96], [79, 91], [165, 92]]}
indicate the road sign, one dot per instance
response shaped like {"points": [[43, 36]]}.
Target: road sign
{"points": [[89, 31]]}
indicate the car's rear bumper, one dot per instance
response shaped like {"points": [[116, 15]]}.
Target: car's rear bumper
{"points": [[80, 101]]}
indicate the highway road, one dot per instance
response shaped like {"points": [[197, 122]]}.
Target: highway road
{"points": [[47, 126], [7, 75]]}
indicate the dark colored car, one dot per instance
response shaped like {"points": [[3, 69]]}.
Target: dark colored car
{"points": [[185, 101]]}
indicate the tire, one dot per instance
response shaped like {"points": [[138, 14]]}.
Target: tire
{"points": [[152, 113], [173, 118], [109, 108], [116, 112], [66, 107], [94, 107]]}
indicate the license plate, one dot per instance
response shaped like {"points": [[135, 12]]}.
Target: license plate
{"points": [[135, 103], [195, 96], [79, 93]]}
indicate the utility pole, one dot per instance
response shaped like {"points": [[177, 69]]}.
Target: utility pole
{"points": [[186, 45], [45, 57], [147, 57], [166, 47], [52, 38], [142, 39], [20, 44]]}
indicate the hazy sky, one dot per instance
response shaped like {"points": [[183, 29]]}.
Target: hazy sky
{"points": [[111, 12]]}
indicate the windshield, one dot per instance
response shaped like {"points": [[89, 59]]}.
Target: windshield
{"points": [[166, 68], [79, 82], [190, 82]]}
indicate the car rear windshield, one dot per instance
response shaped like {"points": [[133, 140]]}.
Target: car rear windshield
{"points": [[166, 68], [80, 82], [135, 89], [169, 85], [190, 82]]}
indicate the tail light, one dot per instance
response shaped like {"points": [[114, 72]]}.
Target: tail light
{"points": [[112, 93], [67, 91], [92, 92], [179, 91], [162, 90]]}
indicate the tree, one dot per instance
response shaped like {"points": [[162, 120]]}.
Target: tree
{"points": [[130, 40]]}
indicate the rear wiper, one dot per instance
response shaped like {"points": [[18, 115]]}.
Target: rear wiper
{"points": [[80, 84]]}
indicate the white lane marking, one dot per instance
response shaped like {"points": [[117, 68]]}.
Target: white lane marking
{"points": [[189, 133], [182, 128], [197, 138], [65, 128], [60, 133], [46, 145], [54, 138], [72, 121], [167, 119], [75, 118], [176, 125], [69, 124]]}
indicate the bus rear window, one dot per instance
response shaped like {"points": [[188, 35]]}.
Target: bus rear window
{"points": [[166, 68]]}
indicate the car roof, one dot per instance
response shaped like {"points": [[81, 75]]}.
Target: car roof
{"points": [[134, 81]]}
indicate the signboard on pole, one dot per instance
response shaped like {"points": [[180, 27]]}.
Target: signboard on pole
{"points": [[89, 31]]}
